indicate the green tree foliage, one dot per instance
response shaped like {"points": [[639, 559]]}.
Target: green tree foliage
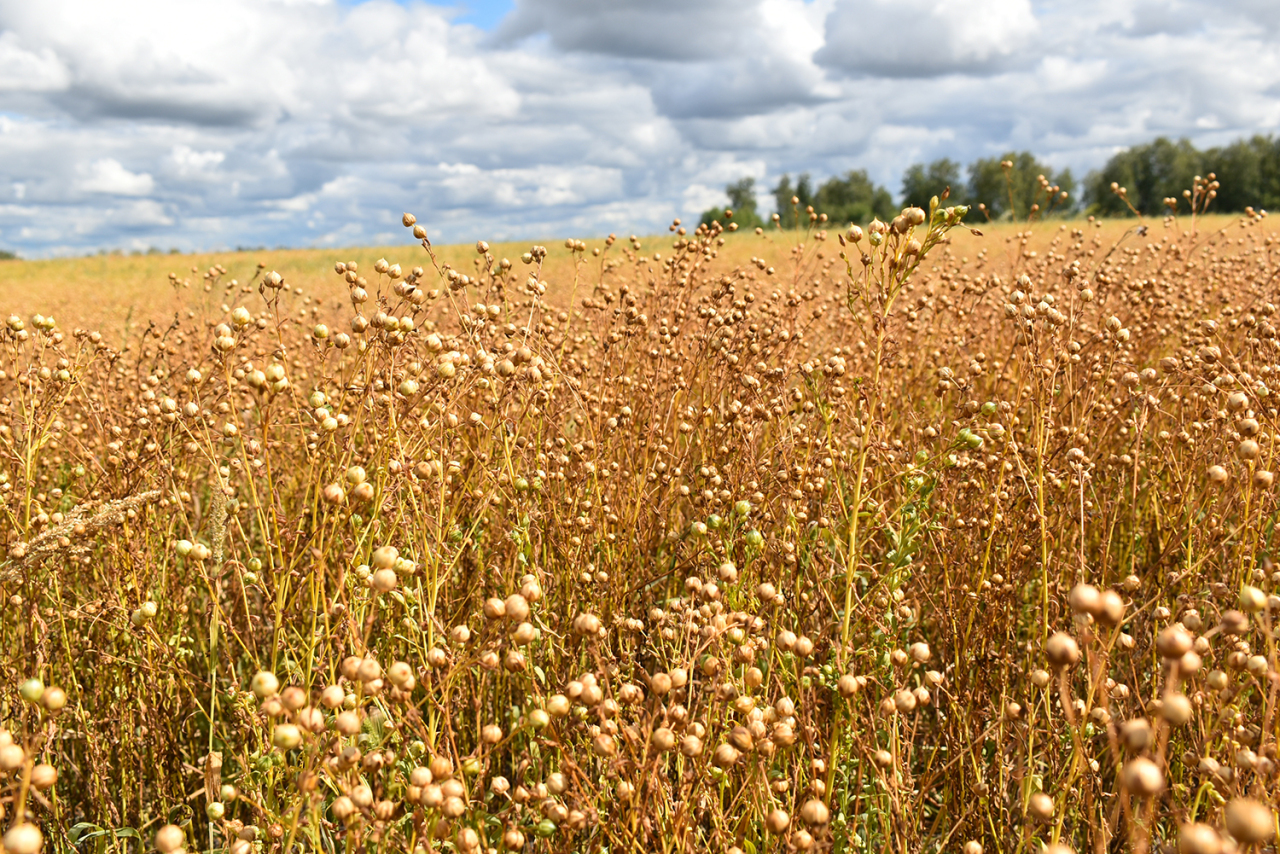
{"points": [[1149, 173], [995, 186], [920, 183], [742, 201], [853, 199], [1248, 172], [802, 192], [6, 255]]}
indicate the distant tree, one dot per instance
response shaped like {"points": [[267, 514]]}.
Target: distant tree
{"points": [[1248, 173], [855, 198], [742, 201], [1149, 173], [6, 255], [920, 183], [996, 187], [802, 192]]}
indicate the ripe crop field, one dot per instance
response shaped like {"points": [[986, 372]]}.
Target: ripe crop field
{"points": [[903, 539]]}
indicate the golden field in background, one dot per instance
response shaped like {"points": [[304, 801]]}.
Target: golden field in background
{"points": [[109, 292]]}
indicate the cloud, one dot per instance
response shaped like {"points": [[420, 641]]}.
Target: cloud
{"points": [[926, 38], [183, 123], [108, 176], [23, 70]]}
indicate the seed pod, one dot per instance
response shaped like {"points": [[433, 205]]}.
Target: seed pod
{"points": [[1040, 807], [1249, 821], [777, 821], [815, 812], [264, 684], [1174, 641], [1085, 599], [1199, 838], [1112, 608], [384, 580], [1136, 734], [1252, 600], [1062, 650], [1142, 777], [725, 756], [1176, 709], [516, 608], [23, 838], [169, 839]]}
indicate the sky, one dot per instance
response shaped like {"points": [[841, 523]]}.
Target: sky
{"points": [[210, 125]]}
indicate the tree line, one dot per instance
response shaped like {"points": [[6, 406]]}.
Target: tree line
{"points": [[1017, 185]]}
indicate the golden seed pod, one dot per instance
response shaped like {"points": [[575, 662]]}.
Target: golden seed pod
{"points": [[286, 736], [264, 684], [43, 777], [1176, 709], [170, 839], [1199, 838], [725, 756], [516, 608], [441, 768], [904, 700], [11, 757], [777, 821], [1040, 807], [1062, 650], [1136, 734], [973, 846], [384, 580], [1112, 608], [23, 838], [1252, 600], [1142, 777], [815, 812], [1174, 641], [1250, 821], [342, 808], [1085, 599]]}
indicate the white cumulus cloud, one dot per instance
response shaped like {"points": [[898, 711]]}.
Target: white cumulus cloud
{"points": [[109, 176]]}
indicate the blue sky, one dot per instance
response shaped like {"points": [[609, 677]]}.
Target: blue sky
{"points": [[484, 14], [182, 123]]}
